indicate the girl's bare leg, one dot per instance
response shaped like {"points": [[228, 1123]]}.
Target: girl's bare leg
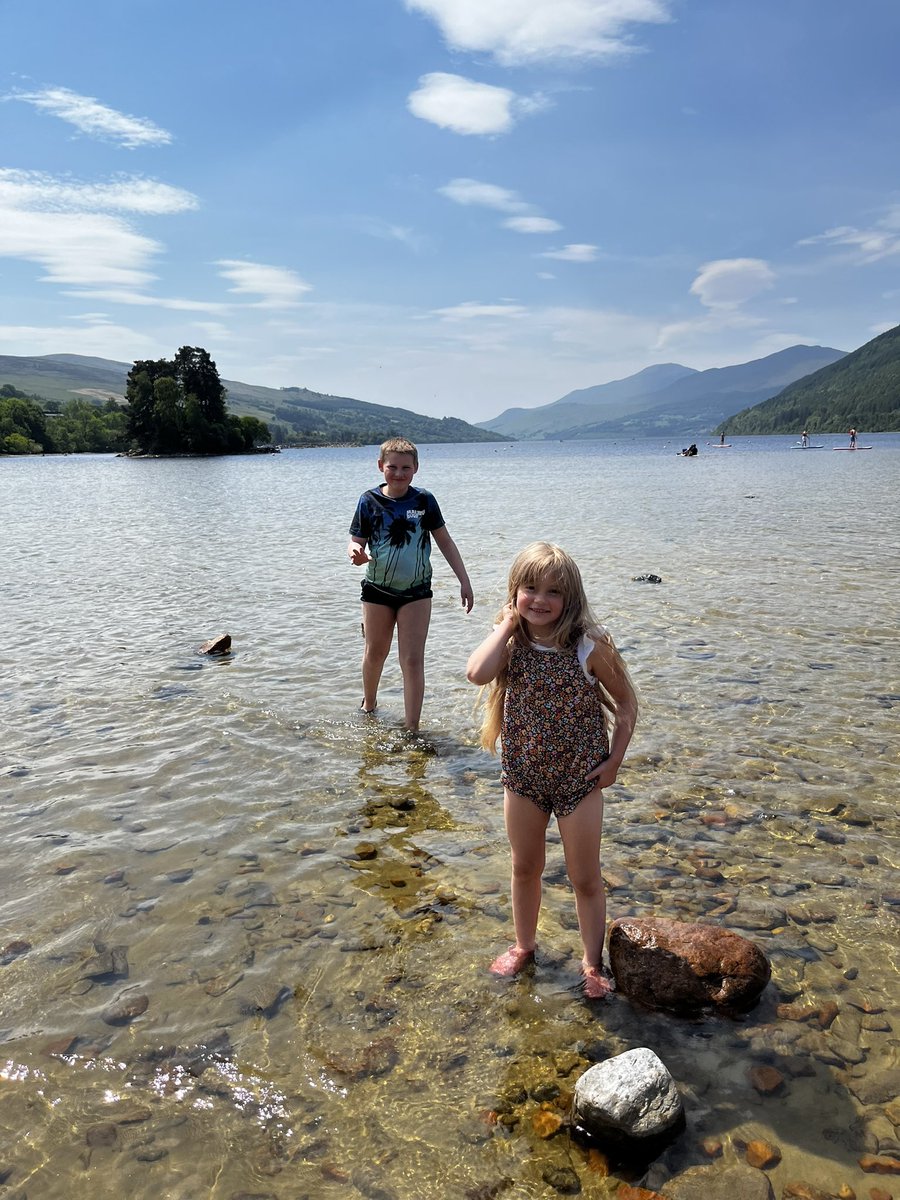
{"points": [[581, 831], [412, 630], [378, 627], [526, 828]]}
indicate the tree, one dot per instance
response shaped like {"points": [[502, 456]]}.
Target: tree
{"points": [[197, 374], [178, 406]]}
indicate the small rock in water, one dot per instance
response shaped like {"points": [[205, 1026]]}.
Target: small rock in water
{"points": [[766, 1080], [125, 1008], [880, 1164], [216, 645], [14, 949], [562, 1179], [762, 1154]]}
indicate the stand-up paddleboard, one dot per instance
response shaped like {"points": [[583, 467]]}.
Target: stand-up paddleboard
{"points": [[719, 445], [819, 446], [851, 447]]}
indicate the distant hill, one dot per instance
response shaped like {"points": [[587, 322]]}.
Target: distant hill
{"points": [[861, 390], [293, 414], [691, 402], [614, 399]]}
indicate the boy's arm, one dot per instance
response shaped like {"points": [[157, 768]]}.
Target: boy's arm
{"points": [[356, 551], [448, 548], [487, 661]]}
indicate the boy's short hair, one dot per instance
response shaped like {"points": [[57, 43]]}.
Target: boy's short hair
{"points": [[399, 445]]}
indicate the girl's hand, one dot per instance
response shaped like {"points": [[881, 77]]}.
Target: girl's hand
{"points": [[357, 554], [604, 775]]}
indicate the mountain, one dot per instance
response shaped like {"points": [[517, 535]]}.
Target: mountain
{"points": [[862, 390], [614, 399], [692, 402], [292, 413]]}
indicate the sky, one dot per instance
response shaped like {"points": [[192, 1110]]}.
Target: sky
{"points": [[453, 206]]}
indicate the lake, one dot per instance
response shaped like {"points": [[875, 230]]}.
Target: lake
{"points": [[245, 931]]}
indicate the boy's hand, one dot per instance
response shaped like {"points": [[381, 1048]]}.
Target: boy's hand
{"points": [[357, 554], [467, 596]]}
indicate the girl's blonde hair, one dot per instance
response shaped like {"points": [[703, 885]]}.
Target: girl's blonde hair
{"points": [[532, 566]]}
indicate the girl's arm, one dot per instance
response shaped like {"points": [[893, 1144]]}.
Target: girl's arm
{"points": [[356, 551], [605, 664], [448, 548], [488, 660]]}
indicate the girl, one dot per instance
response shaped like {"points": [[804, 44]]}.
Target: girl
{"points": [[557, 679]]}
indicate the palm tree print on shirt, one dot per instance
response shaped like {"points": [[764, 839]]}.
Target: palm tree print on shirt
{"points": [[400, 535]]}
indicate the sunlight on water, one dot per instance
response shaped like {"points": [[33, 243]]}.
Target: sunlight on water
{"points": [[245, 930]]}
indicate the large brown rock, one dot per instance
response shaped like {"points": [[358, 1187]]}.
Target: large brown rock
{"points": [[686, 968]]}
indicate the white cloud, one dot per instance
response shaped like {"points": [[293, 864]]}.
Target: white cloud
{"points": [[77, 248], [61, 225], [472, 310], [532, 224], [125, 193], [101, 339], [871, 245], [580, 252], [91, 117], [730, 282], [144, 300], [488, 195], [277, 287], [524, 31], [464, 106]]}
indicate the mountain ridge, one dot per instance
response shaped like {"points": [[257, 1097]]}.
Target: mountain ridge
{"points": [[695, 402]]}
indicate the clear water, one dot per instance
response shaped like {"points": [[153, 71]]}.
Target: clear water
{"points": [[308, 903]]}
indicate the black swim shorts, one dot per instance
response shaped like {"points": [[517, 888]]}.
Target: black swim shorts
{"points": [[373, 594]]}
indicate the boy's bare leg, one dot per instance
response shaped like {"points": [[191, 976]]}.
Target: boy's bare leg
{"points": [[581, 831], [378, 627], [526, 828], [412, 629]]}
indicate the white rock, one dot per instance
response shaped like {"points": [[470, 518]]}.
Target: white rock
{"points": [[631, 1095]]}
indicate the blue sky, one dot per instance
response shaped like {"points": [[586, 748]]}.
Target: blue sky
{"points": [[455, 206]]}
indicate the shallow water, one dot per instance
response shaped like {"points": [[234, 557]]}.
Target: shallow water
{"points": [[307, 902]]}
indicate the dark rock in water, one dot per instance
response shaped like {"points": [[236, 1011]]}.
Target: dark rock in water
{"points": [[646, 579], [562, 1179], [102, 1135], [265, 1000], [125, 1008], [686, 968], [106, 963], [13, 950], [378, 1058], [216, 645], [736, 1182]]}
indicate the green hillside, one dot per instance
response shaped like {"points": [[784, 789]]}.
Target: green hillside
{"points": [[296, 416], [861, 390]]}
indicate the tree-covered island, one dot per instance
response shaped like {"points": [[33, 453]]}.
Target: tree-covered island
{"points": [[177, 406]]}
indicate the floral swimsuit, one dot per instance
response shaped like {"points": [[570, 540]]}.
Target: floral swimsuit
{"points": [[554, 727]]}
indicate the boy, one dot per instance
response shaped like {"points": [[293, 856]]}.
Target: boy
{"points": [[397, 522]]}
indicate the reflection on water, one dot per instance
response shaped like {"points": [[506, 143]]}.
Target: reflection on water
{"points": [[245, 930]]}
